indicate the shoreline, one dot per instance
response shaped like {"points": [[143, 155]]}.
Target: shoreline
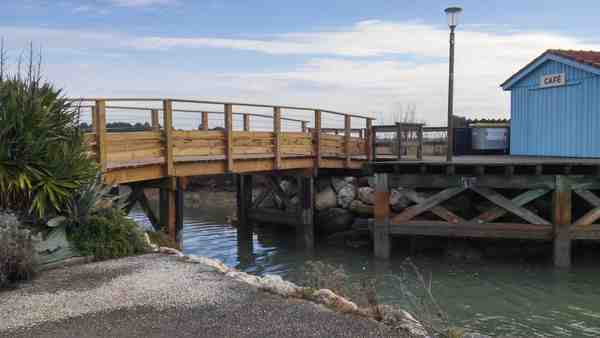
{"points": [[61, 299]]}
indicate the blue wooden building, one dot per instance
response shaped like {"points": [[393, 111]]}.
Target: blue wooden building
{"points": [[555, 105]]}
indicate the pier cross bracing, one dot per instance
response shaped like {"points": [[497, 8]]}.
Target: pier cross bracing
{"points": [[515, 197]]}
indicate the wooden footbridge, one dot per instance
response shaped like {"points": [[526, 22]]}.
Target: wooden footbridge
{"points": [[550, 199]]}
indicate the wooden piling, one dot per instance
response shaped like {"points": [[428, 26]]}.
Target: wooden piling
{"points": [[381, 228], [168, 206], [100, 127], [562, 219], [306, 228], [244, 203]]}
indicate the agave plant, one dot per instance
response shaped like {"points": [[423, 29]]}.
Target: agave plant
{"points": [[43, 159], [91, 199]]}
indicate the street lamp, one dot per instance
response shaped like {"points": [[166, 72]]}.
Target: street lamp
{"points": [[452, 13]]}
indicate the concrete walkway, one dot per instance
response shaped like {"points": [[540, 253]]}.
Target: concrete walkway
{"points": [[160, 296]]}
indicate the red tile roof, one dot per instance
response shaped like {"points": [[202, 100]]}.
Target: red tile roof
{"points": [[587, 57]]}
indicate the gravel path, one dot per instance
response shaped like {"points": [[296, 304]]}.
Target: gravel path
{"points": [[160, 296]]}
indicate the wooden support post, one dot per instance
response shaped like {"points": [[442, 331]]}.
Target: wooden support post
{"points": [[371, 139], [246, 122], [154, 118], [347, 127], [101, 145], [277, 136], [204, 121], [229, 136], [168, 134], [179, 206], [304, 126], [562, 222], [420, 143], [381, 228], [94, 122], [168, 206], [399, 139], [306, 229], [244, 228], [317, 141]]}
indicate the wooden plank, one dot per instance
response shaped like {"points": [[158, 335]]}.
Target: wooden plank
{"points": [[562, 218], [277, 136], [205, 121], [154, 118], [347, 127], [437, 210], [519, 200], [115, 137], [415, 210], [101, 146], [246, 122], [229, 136], [509, 205], [399, 139], [491, 181], [588, 196], [145, 204], [420, 143], [275, 183], [381, 228], [168, 133], [474, 230], [593, 215]]}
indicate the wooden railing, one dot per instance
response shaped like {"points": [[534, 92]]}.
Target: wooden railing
{"points": [[173, 152], [404, 136]]}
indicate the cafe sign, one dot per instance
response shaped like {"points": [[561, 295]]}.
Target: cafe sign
{"points": [[553, 80]]}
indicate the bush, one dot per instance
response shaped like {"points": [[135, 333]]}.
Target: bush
{"points": [[16, 252], [109, 234], [43, 154]]}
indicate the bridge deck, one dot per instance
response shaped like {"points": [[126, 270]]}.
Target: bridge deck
{"points": [[163, 151]]}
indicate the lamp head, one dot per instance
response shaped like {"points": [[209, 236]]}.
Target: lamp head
{"points": [[453, 13]]}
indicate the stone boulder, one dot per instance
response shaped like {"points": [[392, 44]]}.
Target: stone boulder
{"points": [[325, 199], [398, 202], [399, 318], [338, 183], [366, 195], [360, 208], [346, 195], [334, 220]]}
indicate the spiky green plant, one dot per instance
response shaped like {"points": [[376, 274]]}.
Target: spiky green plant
{"points": [[43, 158]]}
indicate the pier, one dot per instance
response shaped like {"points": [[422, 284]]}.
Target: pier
{"points": [[517, 197]]}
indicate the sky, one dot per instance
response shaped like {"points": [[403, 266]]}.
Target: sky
{"points": [[375, 58]]}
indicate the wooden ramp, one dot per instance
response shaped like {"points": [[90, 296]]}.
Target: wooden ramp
{"points": [[163, 150]]}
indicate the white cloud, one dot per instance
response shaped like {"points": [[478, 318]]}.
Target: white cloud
{"points": [[370, 66]]}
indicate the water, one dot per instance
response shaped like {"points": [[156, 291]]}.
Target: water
{"points": [[498, 298]]}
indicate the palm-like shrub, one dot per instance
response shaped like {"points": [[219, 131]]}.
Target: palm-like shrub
{"points": [[43, 158]]}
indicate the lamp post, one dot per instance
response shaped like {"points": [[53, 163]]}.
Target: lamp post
{"points": [[452, 13]]}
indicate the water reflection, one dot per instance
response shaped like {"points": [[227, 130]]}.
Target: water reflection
{"points": [[500, 298]]}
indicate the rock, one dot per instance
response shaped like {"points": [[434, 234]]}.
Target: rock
{"points": [[338, 183], [325, 199], [53, 249], [276, 284], [366, 195], [170, 251], [289, 187], [334, 220], [398, 202], [346, 195], [399, 318], [329, 298], [56, 221], [350, 180], [213, 263], [360, 208]]}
